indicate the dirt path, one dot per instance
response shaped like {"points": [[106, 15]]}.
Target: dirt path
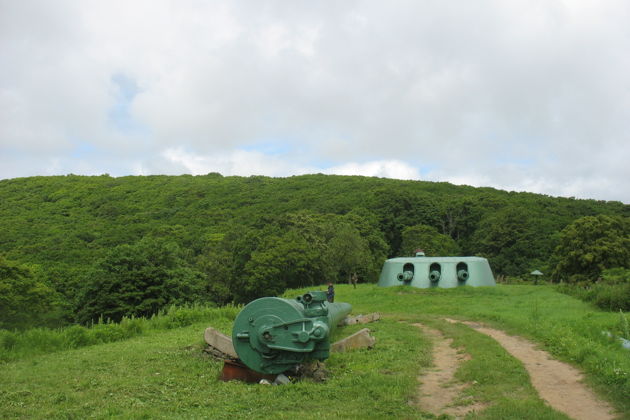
{"points": [[558, 383], [438, 390]]}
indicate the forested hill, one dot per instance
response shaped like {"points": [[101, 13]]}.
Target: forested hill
{"points": [[235, 238]]}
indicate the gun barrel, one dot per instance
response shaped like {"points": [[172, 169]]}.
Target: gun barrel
{"points": [[405, 276], [434, 275]]}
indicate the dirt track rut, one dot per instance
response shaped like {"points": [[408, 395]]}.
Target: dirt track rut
{"points": [[558, 383], [438, 389]]}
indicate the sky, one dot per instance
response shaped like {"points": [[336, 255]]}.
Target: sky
{"points": [[516, 95]]}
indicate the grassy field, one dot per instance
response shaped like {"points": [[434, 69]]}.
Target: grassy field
{"points": [[163, 373]]}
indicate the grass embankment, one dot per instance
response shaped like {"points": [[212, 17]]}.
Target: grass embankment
{"points": [[163, 373]]}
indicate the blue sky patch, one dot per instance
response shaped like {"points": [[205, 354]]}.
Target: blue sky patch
{"points": [[119, 115], [83, 150], [271, 147]]}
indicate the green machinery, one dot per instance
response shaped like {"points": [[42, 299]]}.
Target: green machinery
{"points": [[271, 335]]}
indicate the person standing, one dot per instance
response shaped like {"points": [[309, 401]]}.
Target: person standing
{"points": [[354, 280], [330, 294]]}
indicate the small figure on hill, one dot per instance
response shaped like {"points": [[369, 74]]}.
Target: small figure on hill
{"points": [[330, 294], [354, 279]]}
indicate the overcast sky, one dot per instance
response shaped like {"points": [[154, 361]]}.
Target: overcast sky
{"points": [[518, 95]]}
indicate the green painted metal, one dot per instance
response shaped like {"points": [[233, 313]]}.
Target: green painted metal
{"points": [[271, 334], [405, 276], [436, 272]]}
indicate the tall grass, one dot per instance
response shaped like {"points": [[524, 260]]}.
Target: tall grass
{"points": [[611, 292], [16, 345]]}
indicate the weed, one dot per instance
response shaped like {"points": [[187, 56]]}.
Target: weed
{"points": [[623, 325], [535, 315], [76, 336], [7, 340], [38, 341]]}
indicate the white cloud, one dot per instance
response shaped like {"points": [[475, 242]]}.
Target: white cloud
{"points": [[246, 163], [373, 88], [238, 162], [385, 169]]}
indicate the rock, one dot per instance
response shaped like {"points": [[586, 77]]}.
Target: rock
{"points": [[315, 370], [221, 342], [281, 380], [361, 319], [358, 340]]}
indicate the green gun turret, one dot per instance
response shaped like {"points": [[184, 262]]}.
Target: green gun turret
{"points": [[271, 335]]}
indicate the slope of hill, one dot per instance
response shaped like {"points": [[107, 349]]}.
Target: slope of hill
{"points": [[74, 218], [233, 239]]}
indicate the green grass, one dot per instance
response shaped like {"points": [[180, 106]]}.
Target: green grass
{"points": [[37, 341], [167, 375], [568, 328], [163, 373]]}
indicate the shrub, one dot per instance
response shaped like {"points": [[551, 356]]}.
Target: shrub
{"points": [[132, 326], [7, 340], [76, 336], [623, 326], [107, 333], [612, 298], [611, 292], [39, 340]]}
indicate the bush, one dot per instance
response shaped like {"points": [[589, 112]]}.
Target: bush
{"points": [[77, 336], [623, 327], [107, 333], [611, 292], [7, 340], [132, 326], [39, 340], [612, 298]]}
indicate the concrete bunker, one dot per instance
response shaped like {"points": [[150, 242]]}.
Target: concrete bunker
{"points": [[424, 272]]}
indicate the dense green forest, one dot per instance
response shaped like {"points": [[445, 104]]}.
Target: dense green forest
{"points": [[79, 248]]}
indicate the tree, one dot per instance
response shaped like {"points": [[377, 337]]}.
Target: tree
{"points": [[367, 225], [590, 245], [428, 239], [460, 217], [217, 264], [400, 208], [139, 280], [348, 252], [25, 301], [512, 239], [280, 262]]}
